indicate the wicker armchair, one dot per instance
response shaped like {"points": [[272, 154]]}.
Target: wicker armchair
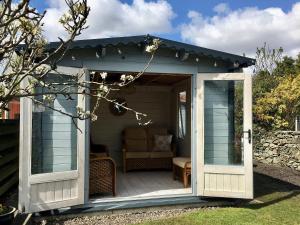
{"points": [[102, 175]]}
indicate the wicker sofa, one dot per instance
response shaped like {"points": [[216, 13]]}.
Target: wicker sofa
{"points": [[138, 153]]}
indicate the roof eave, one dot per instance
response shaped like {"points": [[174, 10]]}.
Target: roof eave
{"points": [[144, 39]]}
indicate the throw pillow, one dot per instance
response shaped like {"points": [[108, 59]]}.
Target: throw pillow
{"points": [[162, 143]]}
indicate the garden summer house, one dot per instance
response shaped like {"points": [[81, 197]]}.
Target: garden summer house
{"points": [[197, 145]]}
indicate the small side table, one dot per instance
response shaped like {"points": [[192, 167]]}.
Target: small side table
{"points": [[184, 164]]}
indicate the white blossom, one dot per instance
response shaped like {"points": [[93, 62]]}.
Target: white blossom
{"points": [[48, 99], [149, 48], [103, 75], [130, 77], [152, 48], [94, 117], [103, 88], [123, 77]]}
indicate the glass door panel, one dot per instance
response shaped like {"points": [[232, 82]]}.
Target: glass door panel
{"points": [[223, 124]]}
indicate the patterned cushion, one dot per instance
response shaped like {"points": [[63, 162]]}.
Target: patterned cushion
{"points": [[151, 131], [162, 143]]}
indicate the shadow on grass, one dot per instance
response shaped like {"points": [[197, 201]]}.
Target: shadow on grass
{"points": [[264, 185], [269, 190]]}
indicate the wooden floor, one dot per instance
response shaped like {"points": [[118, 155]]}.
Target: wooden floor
{"points": [[142, 184]]}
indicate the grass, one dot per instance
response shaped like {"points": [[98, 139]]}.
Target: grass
{"points": [[279, 203]]}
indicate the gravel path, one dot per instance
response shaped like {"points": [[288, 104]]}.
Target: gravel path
{"points": [[123, 218]]}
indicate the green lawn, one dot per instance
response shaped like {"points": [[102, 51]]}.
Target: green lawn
{"points": [[280, 204]]}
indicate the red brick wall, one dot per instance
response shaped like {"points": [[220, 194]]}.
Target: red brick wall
{"points": [[14, 110]]}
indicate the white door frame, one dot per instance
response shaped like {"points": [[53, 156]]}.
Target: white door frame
{"points": [[242, 175], [35, 188]]}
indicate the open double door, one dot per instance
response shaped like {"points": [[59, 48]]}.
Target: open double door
{"points": [[53, 153]]}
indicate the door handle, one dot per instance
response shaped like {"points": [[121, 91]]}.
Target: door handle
{"points": [[249, 135]]}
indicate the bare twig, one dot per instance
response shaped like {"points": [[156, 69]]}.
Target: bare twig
{"points": [[19, 23]]}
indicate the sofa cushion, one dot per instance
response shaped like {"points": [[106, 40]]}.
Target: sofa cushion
{"points": [[156, 155], [151, 131], [135, 133], [137, 155], [135, 139], [136, 145], [182, 161], [162, 143]]}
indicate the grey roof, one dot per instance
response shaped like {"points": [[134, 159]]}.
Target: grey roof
{"points": [[175, 45]]}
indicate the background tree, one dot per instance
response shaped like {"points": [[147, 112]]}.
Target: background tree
{"points": [[285, 68], [264, 78], [297, 64], [276, 95], [24, 55], [267, 59], [278, 108]]}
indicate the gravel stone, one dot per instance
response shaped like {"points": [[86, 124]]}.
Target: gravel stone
{"points": [[122, 218]]}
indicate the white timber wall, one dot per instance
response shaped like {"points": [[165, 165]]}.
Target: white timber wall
{"points": [[152, 100]]}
